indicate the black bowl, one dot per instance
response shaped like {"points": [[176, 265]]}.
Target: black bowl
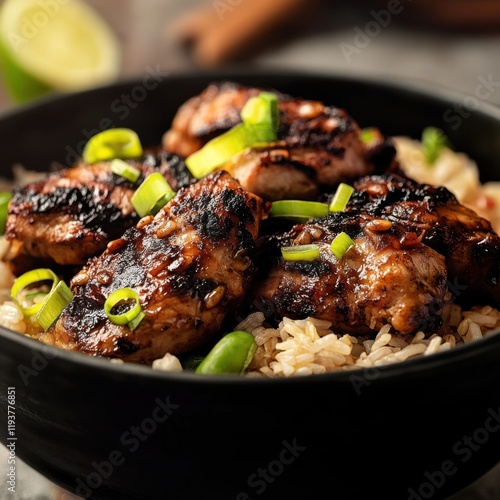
{"points": [[424, 428]]}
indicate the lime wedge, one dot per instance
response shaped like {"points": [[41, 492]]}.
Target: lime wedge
{"points": [[59, 45]]}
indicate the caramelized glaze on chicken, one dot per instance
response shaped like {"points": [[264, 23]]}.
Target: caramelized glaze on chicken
{"points": [[210, 254], [74, 213], [471, 247], [191, 264], [319, 146], [386, 278]]}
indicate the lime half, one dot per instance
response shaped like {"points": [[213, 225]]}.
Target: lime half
{"points": [[61, 45]]}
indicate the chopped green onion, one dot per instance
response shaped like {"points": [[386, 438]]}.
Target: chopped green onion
{"points": [[341, 244], [35, 295], [28, 279], [433, 142], [4, 210], [368, 135], [129, 317], [341, 197], [114, 143], [300, 252], [231, 355], [53, 305], [152, 195], [221, 149], [129, 172], [136, 321], [298, 209], [260, 117], [262, 110]]}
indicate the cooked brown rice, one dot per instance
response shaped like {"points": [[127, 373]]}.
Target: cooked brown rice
{"points": [[309, 346]]}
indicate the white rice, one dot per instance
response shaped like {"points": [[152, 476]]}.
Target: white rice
{"points": [[455, 171]]}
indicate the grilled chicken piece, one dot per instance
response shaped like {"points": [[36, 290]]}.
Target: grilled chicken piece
{"points": [[74, 213], [388, 277], [206, 116], [469, 243], [191, 265], [282, 172], [319, 146]]}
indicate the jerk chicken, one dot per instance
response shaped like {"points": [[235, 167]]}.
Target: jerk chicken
{"points": [[213, 252], [471, 247], [74, 213], [386, 278], [409, 238], [319, 146], [191, 264]]}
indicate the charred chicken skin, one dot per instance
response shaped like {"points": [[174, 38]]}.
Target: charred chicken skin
{"points": [[386, 278], [319, 146], [210, 254], [470, 245], [191, 264], [73, 214]]}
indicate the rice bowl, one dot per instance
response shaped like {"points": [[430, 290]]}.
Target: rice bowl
{"points": [[78, 409], [311, 346]]}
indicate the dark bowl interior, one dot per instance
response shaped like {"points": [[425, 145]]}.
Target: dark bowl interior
{"points": [[421, 429]]}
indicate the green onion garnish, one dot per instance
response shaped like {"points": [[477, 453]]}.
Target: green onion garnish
{"points": [[262, 110], [54, 304], [298, 209], [368, 135], [128, 172], [224, 147], [152, 195], [300, 252], [260, 117], [433, 142], [341, 244], [26, 280], [114, 143], [133, 316], [231, 355], [133, 324], [4, 209], [341, 198], [35, 295]]}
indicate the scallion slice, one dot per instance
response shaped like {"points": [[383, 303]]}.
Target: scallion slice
{"points": [[368, 135], [128, 317], [341, 197], [433, 142], [152, 195], [4, 209], [341, 245], [262, 110], [300, 252], [29, 279], [136, 321], [114, 143], [53, 305], [128, 172], [221, 149], [298, 209]]}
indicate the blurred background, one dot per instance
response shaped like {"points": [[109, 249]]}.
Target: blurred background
{"points": [[448, 44]]}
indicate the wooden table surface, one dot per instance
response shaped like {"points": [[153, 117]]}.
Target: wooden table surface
{"points": [[456, 61]]}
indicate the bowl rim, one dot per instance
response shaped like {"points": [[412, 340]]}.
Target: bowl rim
{"points": [[421, 89]]}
